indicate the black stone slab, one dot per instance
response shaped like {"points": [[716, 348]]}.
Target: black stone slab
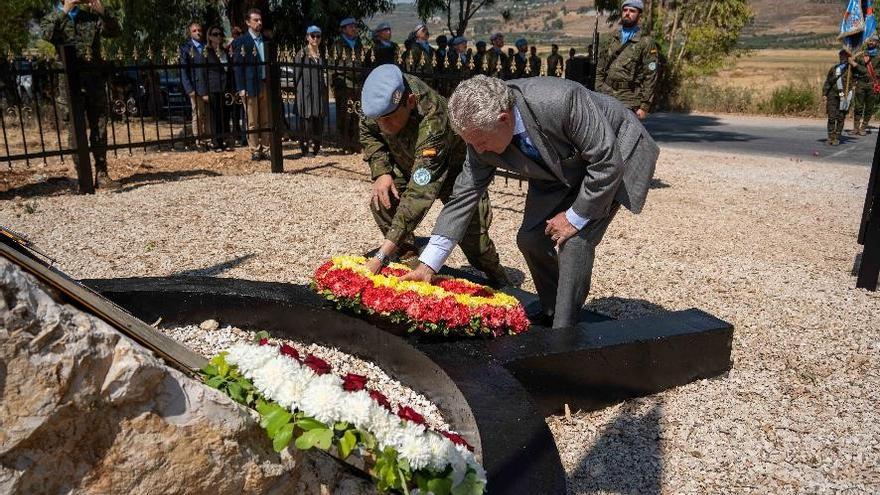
{"points": [[475, 394], [593, 365]]}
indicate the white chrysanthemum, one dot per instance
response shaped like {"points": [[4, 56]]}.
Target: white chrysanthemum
{"points": [[356, 408], [291, 391], [442, 450], [413, 445], [249, 357], [384, 426], [270, 378], [323, 399]]}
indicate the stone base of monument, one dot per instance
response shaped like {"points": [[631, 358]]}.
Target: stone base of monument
{"points": [[495, 392]]}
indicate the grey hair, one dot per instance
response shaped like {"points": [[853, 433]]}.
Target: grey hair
{"points": [[476, 103]]}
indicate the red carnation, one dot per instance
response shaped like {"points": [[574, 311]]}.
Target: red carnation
{"points": [[318, 365], [409, 414], [264, 341], [289, 351], [380, 399], [457, 439], [354, 383]]}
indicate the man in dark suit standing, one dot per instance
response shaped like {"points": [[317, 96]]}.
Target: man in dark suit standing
{"points": [[194, 78], [584, 154], [249, 56]]}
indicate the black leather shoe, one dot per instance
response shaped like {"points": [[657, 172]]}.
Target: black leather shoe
{"points": [[256, 156]]}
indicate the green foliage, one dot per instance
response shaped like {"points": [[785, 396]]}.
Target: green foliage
{"points": [[16, 14], [791, 99], [390, 472], [458, 13], [220, 375]]}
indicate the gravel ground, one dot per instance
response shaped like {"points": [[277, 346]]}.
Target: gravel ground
{"points": [[767, 244], [209, 339]]}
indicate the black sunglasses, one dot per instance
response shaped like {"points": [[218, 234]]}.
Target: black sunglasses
{"points": [[314, 35]]}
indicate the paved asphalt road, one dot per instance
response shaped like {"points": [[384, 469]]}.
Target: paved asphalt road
{"points": [[798, 139]]}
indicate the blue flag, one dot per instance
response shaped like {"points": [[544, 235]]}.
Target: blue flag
{"points": [[858, 24]]}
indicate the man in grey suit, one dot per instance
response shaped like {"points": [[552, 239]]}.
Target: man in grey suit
{"points": [[585, 155]]}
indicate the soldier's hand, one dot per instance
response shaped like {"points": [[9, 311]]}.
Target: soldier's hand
{"points": [[641, 114], [69, 5], [383, 188], [374, 265]]}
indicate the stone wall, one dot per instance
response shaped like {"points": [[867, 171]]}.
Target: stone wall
{"points": [[84, 409]]}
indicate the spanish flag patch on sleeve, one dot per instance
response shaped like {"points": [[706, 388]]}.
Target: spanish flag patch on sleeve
{"points": [[429, 153]]}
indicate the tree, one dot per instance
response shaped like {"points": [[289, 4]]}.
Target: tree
{"points": [[464, 12], [18, 14]]}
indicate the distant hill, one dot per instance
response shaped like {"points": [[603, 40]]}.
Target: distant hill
{"points": [[777, 23]]}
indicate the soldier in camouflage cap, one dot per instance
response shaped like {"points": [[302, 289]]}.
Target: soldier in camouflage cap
{"points": [[628, 65], [414, 158], [83, 23]]}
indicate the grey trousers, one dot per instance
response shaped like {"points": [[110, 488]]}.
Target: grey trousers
{"points": [[563, 279]]}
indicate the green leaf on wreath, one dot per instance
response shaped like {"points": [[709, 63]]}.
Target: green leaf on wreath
{"points": [[281, 440], [276, 418], [310, 424], [440, 486], [347, 443], [318, 437], [210, 370], [469, 485], [236, 392]]}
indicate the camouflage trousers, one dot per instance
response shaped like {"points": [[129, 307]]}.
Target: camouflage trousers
{"points": [[94, 96], [347, 117], [476, 244], [864, 103], [836, 117]]}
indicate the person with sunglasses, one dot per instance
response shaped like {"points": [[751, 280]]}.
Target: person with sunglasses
{"points": [[311, 91], [414, 159], [218, 86]]}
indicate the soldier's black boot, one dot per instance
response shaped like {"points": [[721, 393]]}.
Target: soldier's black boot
{"points": [[102, 178]]}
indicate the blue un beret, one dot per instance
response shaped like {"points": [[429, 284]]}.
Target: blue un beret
{"points": [[313, 29], [521, 42], [458, 40], [347, 21], [382, 91], [637, 4], [382, 26]]}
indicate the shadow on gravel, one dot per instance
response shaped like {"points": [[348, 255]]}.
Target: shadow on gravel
{"points": [[213, 271], [52, 186], [627, 458], [136, 181], [685, 128]]}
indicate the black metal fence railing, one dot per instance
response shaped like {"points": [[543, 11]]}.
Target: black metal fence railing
{"points": [[85, 108]]}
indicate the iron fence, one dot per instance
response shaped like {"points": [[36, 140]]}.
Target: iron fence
{"points": [[58, 108]]}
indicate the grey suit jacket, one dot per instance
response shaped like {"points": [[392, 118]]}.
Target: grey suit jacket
{"points": [[595, 152]]}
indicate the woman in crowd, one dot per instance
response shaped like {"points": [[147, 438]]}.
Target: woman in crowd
{"points": [[311, 91], [218, 87]]}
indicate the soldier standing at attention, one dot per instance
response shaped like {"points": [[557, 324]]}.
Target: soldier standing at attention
{"points": [[385, 51], [838, 96], [865, 96], [480, 58], [497, 62], [554, 62], [627, 68], [521, 59], [82, 23], [349, 52], [421, 55], [414, 159], [534, 62]]}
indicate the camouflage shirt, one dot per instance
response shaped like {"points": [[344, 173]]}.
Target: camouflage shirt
{"points": [[343, 55], [629, 72], [84, 32], [830, 88], [419, 58], [497, 64], [862, 76], [427, 154]]}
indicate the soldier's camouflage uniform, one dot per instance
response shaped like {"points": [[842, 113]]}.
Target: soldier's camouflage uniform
{"points": [[864, 99], [426, 145], [385, 53], [419, 60], [629, 72], [833, 96], [492, 68], [85, 34], [346, 88]]}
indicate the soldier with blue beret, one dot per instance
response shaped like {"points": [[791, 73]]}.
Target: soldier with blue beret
{"points": [[385, 51], [521, 59], [414, 159], [348, 52]]}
